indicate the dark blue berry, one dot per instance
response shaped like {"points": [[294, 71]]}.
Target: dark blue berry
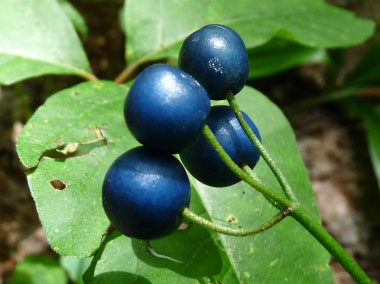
{"points": [[216, 56], [166, 109], [144, 193], [202, 161]]}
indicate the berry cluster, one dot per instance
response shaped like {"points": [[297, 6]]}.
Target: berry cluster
{"points": [[146, 188]]}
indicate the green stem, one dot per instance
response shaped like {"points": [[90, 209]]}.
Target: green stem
{"points": [[249, 171], [253, 176], [191, 216], [335, 249], [89, 76], [127, 72], [256, 142], [278, 201]]}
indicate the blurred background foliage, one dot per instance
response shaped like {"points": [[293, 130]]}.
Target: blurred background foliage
{"points": [[330, 95]]}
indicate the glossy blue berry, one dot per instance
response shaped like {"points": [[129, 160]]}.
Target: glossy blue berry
{"points": [[216, 56], [202, 161], [166, 109], [144, 193]]}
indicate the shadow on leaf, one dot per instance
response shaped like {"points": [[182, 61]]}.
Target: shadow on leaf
{"points": [[117, 277], [193, 252]]}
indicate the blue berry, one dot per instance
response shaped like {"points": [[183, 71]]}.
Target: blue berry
{"points": [[144, 193], [202, 161], [216, 56], [166, 109]]}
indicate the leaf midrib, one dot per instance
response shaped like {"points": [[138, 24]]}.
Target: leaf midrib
{"points": [[56, 63]]}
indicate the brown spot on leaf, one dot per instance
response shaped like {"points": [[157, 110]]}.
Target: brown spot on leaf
{"points": [[231, 219], [98, 85], [58, 184], [202, 212]]}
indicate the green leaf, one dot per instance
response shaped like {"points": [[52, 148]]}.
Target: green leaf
{"points": [[370, 114], [75, 17], [75, 267], [367, 73], [193, 255], [166, 23], [37, 270], [286, 253], [37, 38], [69, 143], [279, 54]]}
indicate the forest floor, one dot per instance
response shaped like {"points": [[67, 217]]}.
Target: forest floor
{"points": [[331, 142]]}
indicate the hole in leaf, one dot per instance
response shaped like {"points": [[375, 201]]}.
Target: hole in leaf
{"points": [[58, 184], [76, 149], [72, 150]]}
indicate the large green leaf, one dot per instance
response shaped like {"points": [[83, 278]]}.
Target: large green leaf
{"points": [[280, 54], [90, 113], [370, 114], [283, 254], [37, 38], [38, 270], [154, 27]]}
